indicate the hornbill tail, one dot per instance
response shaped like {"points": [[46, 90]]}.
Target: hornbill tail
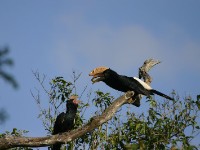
{"points": [[161, 94]]}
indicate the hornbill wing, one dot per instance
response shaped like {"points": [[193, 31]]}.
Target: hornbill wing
{"points": [[134, 85], [58, 123], [58, 129]]}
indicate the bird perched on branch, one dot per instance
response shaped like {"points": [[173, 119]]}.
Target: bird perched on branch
{"points": [[65, 121], [123, 83]]}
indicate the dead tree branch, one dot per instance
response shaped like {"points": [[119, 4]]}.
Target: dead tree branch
{"points": [[143, 73]]}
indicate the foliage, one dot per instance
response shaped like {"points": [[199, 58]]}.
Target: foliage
{"points": [[102, 100], [16, 132], [3, 115], [4, 61], [164, 125]]}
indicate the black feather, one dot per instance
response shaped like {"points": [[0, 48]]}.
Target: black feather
{"points": [[65, 121], [161, 94], [125, 83]]}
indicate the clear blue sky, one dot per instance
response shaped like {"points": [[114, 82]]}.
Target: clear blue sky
{"points": [[56, 37]]}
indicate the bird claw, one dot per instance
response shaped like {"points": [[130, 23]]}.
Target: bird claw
{"points": [[130, 93]]}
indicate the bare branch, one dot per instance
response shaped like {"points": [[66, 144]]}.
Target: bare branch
{"points": [[146, 67], [143, 73]]}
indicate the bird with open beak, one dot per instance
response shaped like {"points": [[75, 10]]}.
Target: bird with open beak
{"points": [[123, 83]]}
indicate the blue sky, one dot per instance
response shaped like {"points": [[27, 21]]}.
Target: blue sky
{"points": [[56, 37]]}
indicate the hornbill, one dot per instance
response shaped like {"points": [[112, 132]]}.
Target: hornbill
{"points": [[124, 83], [65, 121]]}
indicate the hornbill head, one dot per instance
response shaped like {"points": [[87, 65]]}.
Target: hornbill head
{"points": [[98, 74], [73, 100]]}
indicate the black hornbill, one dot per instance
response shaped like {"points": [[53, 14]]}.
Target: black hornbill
{"points": [[65, 121], [123, 83]]}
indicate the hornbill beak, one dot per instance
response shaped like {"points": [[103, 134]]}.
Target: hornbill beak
{"points": [[75, 100], [97, 78], [97, 74]]}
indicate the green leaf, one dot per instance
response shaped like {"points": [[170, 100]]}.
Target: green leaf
{"points": [[197, 127], [14, 131], [131, 146], [137, 126], [153, 103], [198, 104], [198, 97]]}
